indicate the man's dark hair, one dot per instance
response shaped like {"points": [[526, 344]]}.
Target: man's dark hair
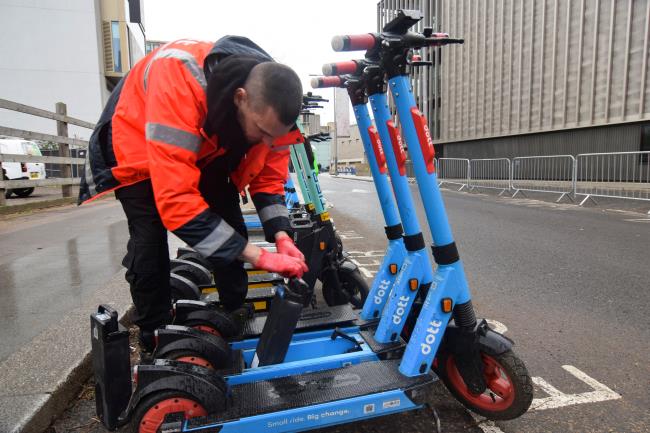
{"points": [[277, 86]]}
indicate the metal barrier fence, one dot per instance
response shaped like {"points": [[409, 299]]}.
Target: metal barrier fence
{"points": [[454, 171], [490, 174], [64, 142], [613, 175], [550, 174]]}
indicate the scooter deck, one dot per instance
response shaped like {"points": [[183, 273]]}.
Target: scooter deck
{"points": [[309, 319], [377, 347], [260, 294], [275, 395]]}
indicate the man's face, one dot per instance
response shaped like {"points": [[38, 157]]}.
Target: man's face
{"points": [[261, 125]]}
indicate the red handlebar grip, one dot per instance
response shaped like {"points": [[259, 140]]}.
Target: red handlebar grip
{"points": [[320, 82], [340, 68], [354, 42]]}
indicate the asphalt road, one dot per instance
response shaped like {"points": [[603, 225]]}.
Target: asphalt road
{"points": [[568, 284], [50, 260]]}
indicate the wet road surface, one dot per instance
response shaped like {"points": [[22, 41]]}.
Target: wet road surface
{"points": [[52, 259]]}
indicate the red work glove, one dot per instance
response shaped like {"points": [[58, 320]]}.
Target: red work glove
{"points": [[284, 265], [286, 246]]}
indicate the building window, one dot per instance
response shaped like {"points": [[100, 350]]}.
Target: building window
{"points": [[117, 49]]}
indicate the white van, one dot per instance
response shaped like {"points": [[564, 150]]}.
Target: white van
{"points": [[21, 170]]}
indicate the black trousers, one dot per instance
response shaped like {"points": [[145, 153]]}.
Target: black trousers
{"points": [[147, 257]]}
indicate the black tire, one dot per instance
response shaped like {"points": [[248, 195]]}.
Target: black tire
{"points": [[182, 288], [23, 192], [193, 271], [150, 401], [193, 256], [354, 288], [513, 378], [8, 193], [221, 325]]}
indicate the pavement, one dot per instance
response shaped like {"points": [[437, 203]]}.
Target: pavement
{"points": [[41, 378], [56, 266]]}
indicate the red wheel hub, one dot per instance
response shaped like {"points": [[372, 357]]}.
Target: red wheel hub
{"points": [[154, 417], [500, 392], [196, 360], [208, 329]]}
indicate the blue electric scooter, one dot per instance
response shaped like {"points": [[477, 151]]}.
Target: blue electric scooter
{"points": [[285, 383]]}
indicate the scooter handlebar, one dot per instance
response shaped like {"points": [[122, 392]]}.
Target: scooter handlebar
{"points": [[321, 82], [341, 68], [362, 42], [443, 39]]}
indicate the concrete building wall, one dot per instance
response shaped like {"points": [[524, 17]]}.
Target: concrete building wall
{"points": [[350, 149], [54, 51], [534, 77], [51, 52], [543, 65]]}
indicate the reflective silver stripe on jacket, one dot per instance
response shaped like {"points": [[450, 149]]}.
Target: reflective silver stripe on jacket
{"points": [[188, 60], [88, 175], [273, 211], [215, 240], [175, 137]]}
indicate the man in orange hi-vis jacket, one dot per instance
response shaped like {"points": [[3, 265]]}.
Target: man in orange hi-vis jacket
{"points": [[189, 127]]}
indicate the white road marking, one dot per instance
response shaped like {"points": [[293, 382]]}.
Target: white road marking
{"points": [[639, 220], [366, 259], [485, 424], [349, 234], [558, 399]]}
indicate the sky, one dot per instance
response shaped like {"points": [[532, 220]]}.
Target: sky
{"points": [[296, 33]]}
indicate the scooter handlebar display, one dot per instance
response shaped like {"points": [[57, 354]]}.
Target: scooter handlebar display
{"points": [[361, 42], [321, 82]]}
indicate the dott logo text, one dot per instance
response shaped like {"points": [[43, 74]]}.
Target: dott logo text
{"points": [[432, 330], [381, 292], [401, 309]]}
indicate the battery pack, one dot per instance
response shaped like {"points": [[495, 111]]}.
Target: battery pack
{"points": [[111, 365], [281, 323]]}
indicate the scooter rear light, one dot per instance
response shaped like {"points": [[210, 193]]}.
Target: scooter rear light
{"points": [[135, 374], [155, 338]]}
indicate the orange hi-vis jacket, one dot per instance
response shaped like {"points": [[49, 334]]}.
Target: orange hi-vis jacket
{"points": [[152, 129]]}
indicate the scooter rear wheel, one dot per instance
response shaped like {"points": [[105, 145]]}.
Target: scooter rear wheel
{"points": [[151, 411], [189, 357], [509, 390]]}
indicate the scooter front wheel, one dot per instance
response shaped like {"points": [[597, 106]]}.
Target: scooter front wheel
{"points": [[151, 411], [353, 288], [509, 390]]}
